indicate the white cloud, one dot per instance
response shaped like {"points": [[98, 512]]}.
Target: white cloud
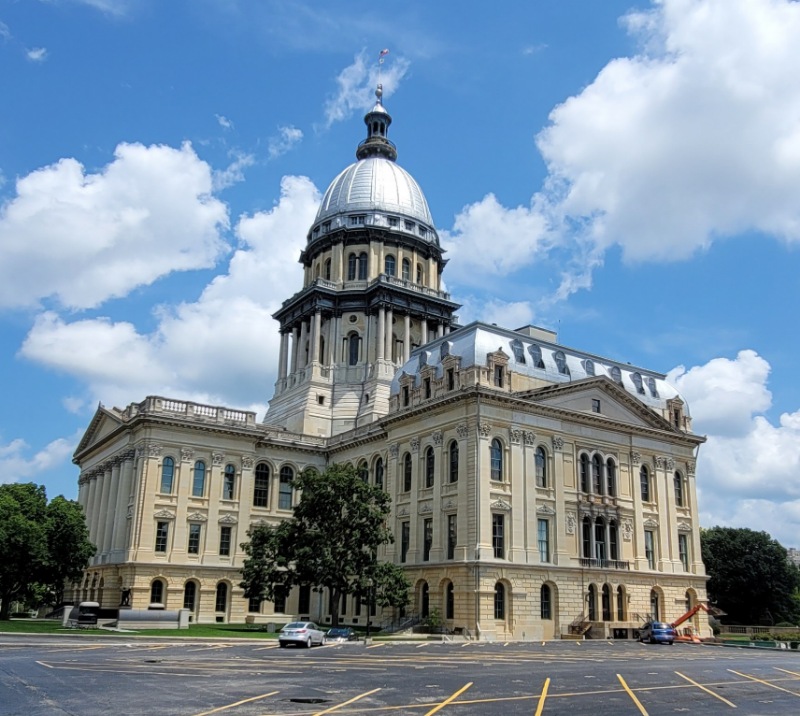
{"points": [[356, 85], [224, 122], [288, 137], [5, 32], [509, 314], [97, 236], [747, 470], [234, 173], [36, 54], [115, 8], [220, 349], [17, 464]]}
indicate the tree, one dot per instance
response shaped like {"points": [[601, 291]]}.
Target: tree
{"points": [[331, 541], [750, 575], [42, 544]]}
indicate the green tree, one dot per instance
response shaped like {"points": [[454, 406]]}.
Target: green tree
{"points": [[750, 575], [42, 544], [331, 541]]}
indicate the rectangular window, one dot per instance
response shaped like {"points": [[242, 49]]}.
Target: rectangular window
{"points": [[498, 376], [279, 603], [254, 605], [427, 384], [405, 538], [498, 536], [162, 532], [451, 379], [228, 486], [595, 405], [452, 535], [225, 541], [544, 540], [427, 541], [683, 550], [285, 494], [304, 599], [405, 396], [194, 538], [650, 548]]}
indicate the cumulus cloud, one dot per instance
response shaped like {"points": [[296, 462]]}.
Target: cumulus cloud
{"points": [[287, 138], [36, 54], [96, 236], [18, 464], [356, 85], [218, 349], [693, 139], [747, 470]]}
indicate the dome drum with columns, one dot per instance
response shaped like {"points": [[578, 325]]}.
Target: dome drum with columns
{"points": [[371, 293]]}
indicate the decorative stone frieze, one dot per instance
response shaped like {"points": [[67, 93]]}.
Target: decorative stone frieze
{"points": [[485, 429], [571, 523], [197, 517], [449, 505], [515, 435], [228, 520], [558, 442], [187, 454], [164, 515], [500, 505], [425, 508], [403, 511], [545, 510], [437, 438], [154, 449], [684, 527], [529, 437], [650, 523], [247, 462], [217, 458], [414, 444], [462, 431], [636, 458], [627, 530]]}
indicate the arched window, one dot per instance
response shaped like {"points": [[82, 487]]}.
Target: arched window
{"points": [[591, 598], [379, 472], [430, 467], [353, 348], [644, 482], [419, 273], [588, 366], [586, 535], [536, 356], [584, 472], [678, 489], [540, 461], [616, 375], [229, 482], [546, 602], [606, 603], [261, 485], [407, 472], [221, 601], [327, 269], [167, 475], [362, 266], [453, 454], [363, 471], [600, 539], [450, 606], [561, 362], [406, 270], [655, 610], [285, 488], [621, 603], [496, 459], [390, 266], [157, 592], [597, 475], [611, 478], [424, 600], [199, 479], [189, 595], [499, 601], [352, 267], [613, 540]]}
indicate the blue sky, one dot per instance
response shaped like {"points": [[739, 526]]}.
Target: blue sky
{"points": [[625, 173]]}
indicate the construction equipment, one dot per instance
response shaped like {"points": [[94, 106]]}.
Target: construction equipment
{"points": [[689, 633]]}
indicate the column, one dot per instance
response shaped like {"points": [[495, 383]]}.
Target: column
{"points": [[433, 274], [440, 330], [338, 261], [99, 521], [317, 334], [301, 348], [313, 338], [333, 339], [121, 508], [88, 508], [423, 325], [389, 334], [282, 356], [110, 506], [381, 332], [294, 350], [406, 337]]}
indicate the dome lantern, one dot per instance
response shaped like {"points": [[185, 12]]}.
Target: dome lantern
{"points": [[377, 120]]}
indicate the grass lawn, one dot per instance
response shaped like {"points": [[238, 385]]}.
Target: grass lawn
{"points": [[219, 631]]}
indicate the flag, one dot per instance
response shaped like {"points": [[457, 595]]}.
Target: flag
{"points": [[382, 54]]}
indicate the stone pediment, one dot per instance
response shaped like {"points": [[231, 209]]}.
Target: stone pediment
{"points": [[103, 424], [164, 515]]}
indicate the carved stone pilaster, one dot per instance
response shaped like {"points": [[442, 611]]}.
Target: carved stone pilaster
{"points": [[414, 444], [558, 442], [670, 464], [437, 438], [636, 458], [462, 431], [515, 435], [660, 462], [247, 462], [485, 429], [217, 458], [187, 454], [394, 450], [690, 467], [154, 449], [529, 437]]}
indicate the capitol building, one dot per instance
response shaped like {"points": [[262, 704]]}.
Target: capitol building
{"points": [[537, 490]]}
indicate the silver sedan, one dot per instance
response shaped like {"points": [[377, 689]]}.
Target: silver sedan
{"points": [[301, 634]]}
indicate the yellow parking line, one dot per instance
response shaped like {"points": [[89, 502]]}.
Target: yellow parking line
{"points": [[632, 695], [375, 646], [543, 697], [448, 700], [708, 691], [346, 703], [419, 646], [238, 703], [766, 683], [786, 671]]}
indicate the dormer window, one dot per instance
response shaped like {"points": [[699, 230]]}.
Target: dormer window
{"points": [[517, 349], [561, 363], [357, 220], [616, 375], [536, 356], [422, 231], [651, 386], [637, 381], [588, 366], [409, 226], [326, 227], [392, 221]]}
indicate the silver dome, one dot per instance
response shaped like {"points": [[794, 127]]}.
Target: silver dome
{"points": [[379, 186]]}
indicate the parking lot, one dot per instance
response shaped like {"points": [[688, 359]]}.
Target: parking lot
{"points": [[88, 676]]}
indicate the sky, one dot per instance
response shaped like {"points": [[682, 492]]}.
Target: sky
{"points": [[625, 173]]}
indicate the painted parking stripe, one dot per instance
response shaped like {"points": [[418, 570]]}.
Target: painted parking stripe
{"points": [[766, 683], [346, 703], [448, 700], [238, 703], [632, 695], [542, 698], [708, 691]]}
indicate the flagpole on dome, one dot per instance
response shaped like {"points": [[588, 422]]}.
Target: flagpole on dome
{"points": [[381, 56]]}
